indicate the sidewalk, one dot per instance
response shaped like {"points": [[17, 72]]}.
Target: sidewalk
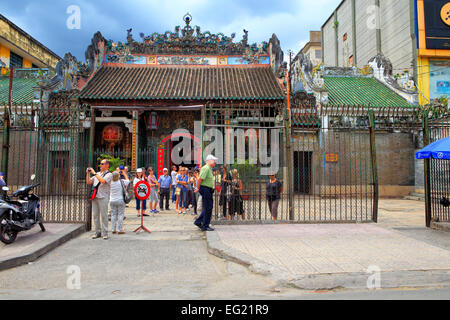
{"points": [[32, 244], [339, 255]]}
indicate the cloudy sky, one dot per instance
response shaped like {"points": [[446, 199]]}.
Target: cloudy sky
{"points": [[46, 20]]}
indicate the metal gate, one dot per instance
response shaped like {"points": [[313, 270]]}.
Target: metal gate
{"points": [[437, 172], [326, 164], [48, 142], [332, 167]]}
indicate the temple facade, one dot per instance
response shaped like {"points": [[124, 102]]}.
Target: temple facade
{"points": [[134, 94]]}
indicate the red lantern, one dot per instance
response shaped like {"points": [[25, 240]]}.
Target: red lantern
{"points": [[112, 133]]}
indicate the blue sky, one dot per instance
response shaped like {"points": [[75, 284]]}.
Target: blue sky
{"points": [[45, 20]]}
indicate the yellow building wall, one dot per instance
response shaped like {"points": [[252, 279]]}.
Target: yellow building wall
{"points": [[4, 56], [424, 56], [27, 63], [423, 79], [24, 43]]}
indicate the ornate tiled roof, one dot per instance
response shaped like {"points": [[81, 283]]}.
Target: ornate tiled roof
{"points": [[183, 83], [187, 40], [361, 91], [22, 93]]}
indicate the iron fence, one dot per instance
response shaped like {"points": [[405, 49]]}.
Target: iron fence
{"points": [[329, 160], [48, 142]]}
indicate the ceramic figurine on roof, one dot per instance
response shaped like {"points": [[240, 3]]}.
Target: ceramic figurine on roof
{"points": [[187, 40]]}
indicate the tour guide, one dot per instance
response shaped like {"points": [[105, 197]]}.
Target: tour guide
{"points": [[206, 188]]}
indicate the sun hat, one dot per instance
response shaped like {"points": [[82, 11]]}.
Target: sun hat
{"points": [[211, 157]]}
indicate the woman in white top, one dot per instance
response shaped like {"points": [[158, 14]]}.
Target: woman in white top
{"points": [[116, 201]]}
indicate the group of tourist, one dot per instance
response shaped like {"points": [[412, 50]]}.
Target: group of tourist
{"points": [[189, 187], [184, 186], [230, 196]]}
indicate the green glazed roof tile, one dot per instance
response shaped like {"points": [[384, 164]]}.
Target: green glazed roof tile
{"points": [[361, 91]]}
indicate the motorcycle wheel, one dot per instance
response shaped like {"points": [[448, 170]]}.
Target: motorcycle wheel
{"points": [[7, 236]]}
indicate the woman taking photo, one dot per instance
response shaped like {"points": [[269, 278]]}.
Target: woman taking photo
{"points": [[235, 202], [116, 200], [273, 192], [141, 205]]}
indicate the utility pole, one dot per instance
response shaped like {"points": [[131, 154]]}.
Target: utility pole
{"points": [[288, 139]]}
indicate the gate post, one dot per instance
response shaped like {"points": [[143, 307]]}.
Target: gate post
{"points": [[289, 170], [91, 164], [373, 158], [426, 170], [6, 127]]}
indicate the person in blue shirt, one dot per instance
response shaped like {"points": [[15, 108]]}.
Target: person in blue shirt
{"points": [[182, 181], [165, 183]]}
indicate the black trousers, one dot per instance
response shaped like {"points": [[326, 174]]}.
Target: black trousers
{"points": [[164, 193], [205, 217]]}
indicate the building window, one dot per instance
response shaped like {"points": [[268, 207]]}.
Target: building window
{"points": [[318, 54], [34, 66], [15, 61], [350, 60], [345, 36]]}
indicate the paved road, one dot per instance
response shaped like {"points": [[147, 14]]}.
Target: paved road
{"points": [[170, 263]]}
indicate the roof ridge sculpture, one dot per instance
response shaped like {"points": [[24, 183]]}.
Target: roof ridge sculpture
{"points": [[187, 40]]}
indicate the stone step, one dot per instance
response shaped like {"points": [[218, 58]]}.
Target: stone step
{"points": [[420, 195]]}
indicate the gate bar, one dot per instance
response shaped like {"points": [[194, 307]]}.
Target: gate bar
{"points": [[373, 158]]}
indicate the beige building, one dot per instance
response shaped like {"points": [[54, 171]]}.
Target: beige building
{"points": [[312, 51], [412, 34], [358, 30]]}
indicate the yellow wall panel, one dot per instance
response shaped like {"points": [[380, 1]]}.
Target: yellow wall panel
{"points": [[27, 63], [423, 78], [4, 56]]}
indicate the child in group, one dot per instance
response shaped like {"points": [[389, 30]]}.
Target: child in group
{"points": [[140, 204]]}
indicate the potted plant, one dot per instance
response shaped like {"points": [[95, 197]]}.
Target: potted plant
{"points": [[114, 163]]}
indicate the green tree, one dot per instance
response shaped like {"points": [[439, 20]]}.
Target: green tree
{"points": [[114, 163]]}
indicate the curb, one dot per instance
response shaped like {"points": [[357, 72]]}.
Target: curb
{"points": [[218, 249], [332, 281], [47, 246]]}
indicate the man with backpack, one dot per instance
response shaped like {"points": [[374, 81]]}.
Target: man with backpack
{"points": [[101, 181]]}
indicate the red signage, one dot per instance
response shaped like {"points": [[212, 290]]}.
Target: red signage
{"points": [[332, 157], [160, 161], [142, 190], [112, 133]]}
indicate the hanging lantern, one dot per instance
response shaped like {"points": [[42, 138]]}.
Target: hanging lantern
{"points": [[153, 121], [112, 133]]}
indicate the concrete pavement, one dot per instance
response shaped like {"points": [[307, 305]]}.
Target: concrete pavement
{"points": [[172, 262], [340, 255], [32, 244]]}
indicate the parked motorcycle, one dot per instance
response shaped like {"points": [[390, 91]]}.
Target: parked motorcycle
{"points": [[21, 214]]}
